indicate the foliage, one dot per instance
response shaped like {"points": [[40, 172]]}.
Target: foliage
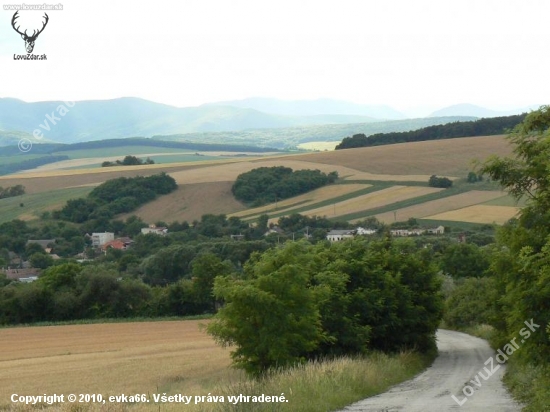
{"points": [[269, 184], [271, 315], [464, 260], [443, 182], [12, 191], [129, 161], [353, 296], [30, 163], [481, 127], [520, 263], [471, 303], [473, 177], [115, 196]]}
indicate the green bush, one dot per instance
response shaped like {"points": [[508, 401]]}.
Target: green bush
{"points": [[470, 303]]}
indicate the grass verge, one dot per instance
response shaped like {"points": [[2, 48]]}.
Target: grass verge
{"points": [[317, 386], [327, 385]]}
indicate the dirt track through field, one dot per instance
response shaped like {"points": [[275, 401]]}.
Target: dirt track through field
{"points": [[460, 359]]}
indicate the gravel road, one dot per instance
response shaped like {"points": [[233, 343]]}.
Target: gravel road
{"points": [[461, 357]]}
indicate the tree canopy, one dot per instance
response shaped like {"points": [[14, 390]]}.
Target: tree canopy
{"points": [[481, 127], [269, 184], [521, 266], [302, 301]]}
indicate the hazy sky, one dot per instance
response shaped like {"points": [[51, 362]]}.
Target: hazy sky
{"points": [[185, 53]]}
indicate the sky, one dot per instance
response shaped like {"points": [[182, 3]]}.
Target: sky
{"points": [[404, 53]]}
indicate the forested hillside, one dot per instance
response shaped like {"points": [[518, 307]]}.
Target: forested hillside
{"points": [[481, 127]]}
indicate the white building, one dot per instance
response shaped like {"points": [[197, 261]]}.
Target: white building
{"points": [[437, 230], [367, 232], [153, 229], [99, 239], [339, 235]]}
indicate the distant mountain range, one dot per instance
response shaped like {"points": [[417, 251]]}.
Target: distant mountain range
{"points": [[314, 107], [472, 110], [131, 117], [134, 117]]}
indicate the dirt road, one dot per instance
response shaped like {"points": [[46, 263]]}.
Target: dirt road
{"points": [[460, 359]]}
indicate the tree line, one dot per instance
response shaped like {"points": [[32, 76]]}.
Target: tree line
{"points": [[129, 161], [114, 197], [30, 163], [12, 191], [481, 127], [269, 184]]}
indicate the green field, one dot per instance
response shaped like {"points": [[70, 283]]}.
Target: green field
{"points": [[35, 204], [118, 151], [8, 160], [506, 200]]}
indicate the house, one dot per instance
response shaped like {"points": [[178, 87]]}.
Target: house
{"points": [[156, 230], [399, 232], [365, 232], [339, 235], [437, 230], [237, 237], [99, 239], [28, 275], [121, 243], [418, 231]]}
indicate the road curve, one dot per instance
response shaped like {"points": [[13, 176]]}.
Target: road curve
{"points": [[461, 357]]}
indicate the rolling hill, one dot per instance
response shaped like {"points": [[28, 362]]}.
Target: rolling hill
{"points": [[381, 181], [130, 117], [314, 107]]}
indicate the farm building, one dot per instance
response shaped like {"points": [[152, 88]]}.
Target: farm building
{"points": [[154, 229], [339, 235]]}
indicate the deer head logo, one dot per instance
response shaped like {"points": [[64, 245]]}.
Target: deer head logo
{"points": [[29, 40]]}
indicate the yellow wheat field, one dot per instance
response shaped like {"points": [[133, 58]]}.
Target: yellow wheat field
{"points": [[109, 359], [479, 214], [442, 157], [433, 207], [371, 200], [315, 196]]}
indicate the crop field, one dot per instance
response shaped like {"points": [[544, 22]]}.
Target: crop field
{"points": [[371, 200], [190, 202], [204, 185], [449, 157], [31, 206], [479, 214], [318, 145], [110, 359], [315, 196], [435, 207]]}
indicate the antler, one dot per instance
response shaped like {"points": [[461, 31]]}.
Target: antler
{"points": [[35, 35], [15, 16]]}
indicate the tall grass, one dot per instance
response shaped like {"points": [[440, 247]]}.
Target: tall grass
{"points": [[325, 385], [317, 386]]}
